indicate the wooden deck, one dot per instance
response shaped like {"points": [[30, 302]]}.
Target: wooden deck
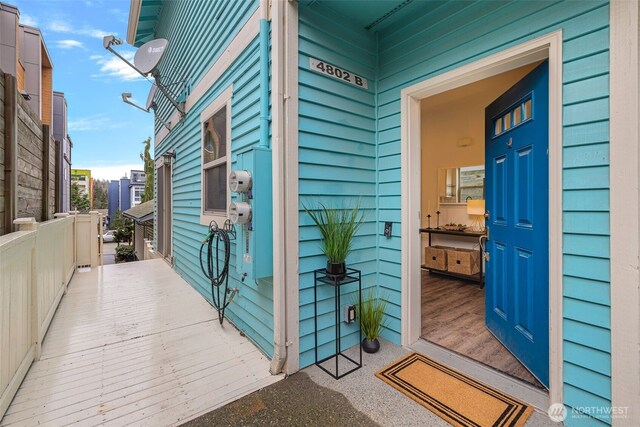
{"points": [[134, 344]]}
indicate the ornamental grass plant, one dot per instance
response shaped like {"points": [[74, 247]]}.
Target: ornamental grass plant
{"points": [[338, 227], [370, 316]]}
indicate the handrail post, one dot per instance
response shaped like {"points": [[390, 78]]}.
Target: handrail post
{"points": [[94, 245], [100, 241], [75, 239], [30, 224], [66, 255]]}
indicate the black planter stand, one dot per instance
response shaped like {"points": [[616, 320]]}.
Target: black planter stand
{"points": [[322, 278]]}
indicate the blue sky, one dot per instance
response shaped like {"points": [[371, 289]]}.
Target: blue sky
{"points": [[106, 133]]}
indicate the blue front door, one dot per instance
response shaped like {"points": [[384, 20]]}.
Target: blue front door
{"points": [[517, 200]]}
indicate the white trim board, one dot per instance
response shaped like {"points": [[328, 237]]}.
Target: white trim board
{"points": [[134, 16], [223, 100], [292, 231], [230, 54], [548, 46], [625, 206]]}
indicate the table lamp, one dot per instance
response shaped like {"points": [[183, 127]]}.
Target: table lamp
{"points": [[475, 209]]}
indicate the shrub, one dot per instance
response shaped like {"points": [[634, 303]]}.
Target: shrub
{"points": [[125, 253]]}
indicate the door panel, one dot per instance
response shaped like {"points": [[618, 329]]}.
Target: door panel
{"points": [[500, 189], [517, 273], [160, 217], [524, 191], [499, 266]]}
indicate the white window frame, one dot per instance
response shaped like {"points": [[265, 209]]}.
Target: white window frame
{"points": [[137, 198], [223, 100]]}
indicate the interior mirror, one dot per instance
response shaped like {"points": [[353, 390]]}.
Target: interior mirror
{"points": [[457, 185]]}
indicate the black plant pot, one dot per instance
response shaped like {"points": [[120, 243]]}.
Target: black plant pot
{"points": [[336, 270], [370, 346]]}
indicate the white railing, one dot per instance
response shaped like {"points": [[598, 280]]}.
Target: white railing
{"points": [[149, 251], [54, 265], [89, 249], [18, 330], [36, 265]]}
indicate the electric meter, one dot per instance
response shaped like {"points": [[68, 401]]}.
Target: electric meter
{"points": [[240, 181], [240, 212]]}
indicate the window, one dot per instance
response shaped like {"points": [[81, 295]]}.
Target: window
{"points": [[472, 183], [137, 195], [215, 122], [515, 116]]}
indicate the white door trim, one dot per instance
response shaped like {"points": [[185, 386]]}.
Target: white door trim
{"points": [[625, 207], [548, 46]]}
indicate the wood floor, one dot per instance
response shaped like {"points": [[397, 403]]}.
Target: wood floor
{"points": [[453, 317], [134, 344]]}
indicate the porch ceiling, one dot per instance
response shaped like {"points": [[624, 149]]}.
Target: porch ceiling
{"points": [[372, 15], [149, 13]]}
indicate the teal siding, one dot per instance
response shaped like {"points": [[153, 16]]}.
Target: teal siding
{"points": [[192, 52], [443, 36], [454, 33], [337, 158], [198, 31]]}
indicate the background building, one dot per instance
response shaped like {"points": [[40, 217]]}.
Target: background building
{"points": [[126, 192], [136, 187], [113, 197], [24, 54], [29, 167], [82, 178], [63, 152]]}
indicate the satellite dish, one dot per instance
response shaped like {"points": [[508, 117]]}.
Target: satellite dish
{"points": [[152, 93], [149, 55]]}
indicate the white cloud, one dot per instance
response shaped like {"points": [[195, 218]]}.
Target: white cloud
{"points": [[58, 26], [113, 67], [92, 32], [93, 123], [64, 27], [68, 44], [28, 20], [110, 172]]}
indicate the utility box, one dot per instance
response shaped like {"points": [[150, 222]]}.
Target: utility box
{"points": [[262, 209], [254, 244]]}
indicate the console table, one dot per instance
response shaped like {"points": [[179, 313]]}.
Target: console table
{"points": [[479, 278]]}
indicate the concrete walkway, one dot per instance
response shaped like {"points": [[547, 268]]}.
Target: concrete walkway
{"points": [[359, 399], [109, 253]]}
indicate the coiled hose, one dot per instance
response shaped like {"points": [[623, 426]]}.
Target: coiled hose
{"points": [[218, 243]]}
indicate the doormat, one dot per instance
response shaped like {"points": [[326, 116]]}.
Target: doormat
{"points": [[454, 397]]}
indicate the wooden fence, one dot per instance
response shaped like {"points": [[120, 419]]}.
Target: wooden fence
{"points": [[36, 266]]}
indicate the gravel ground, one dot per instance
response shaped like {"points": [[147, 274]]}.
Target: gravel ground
{"points": [[294, 401], [313, 398]]}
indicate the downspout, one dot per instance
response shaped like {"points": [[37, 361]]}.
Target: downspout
{"points": [[264, 74], [278, 177]]}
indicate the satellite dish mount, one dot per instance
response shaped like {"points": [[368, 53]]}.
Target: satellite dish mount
{"points": [[145, 62]]}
